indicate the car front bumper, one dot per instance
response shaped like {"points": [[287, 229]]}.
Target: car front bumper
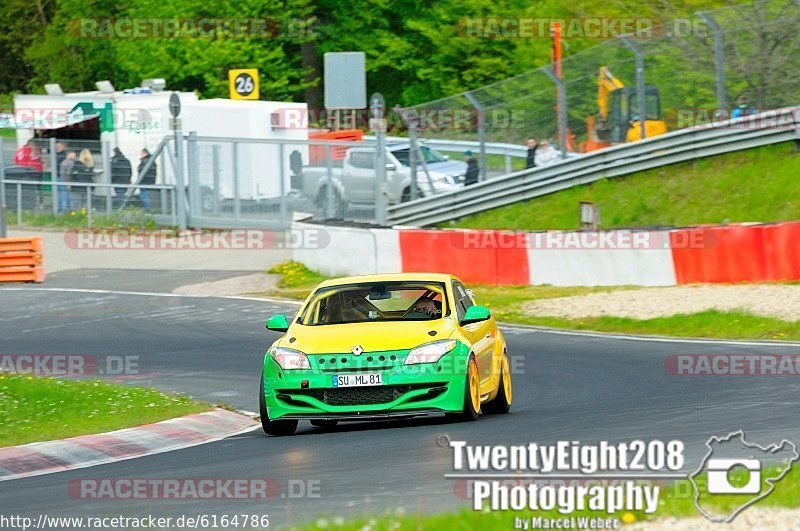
{"points": [[406, 390]]}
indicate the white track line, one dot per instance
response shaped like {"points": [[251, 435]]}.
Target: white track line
{"points": [[151, 294], [650, 339], [529, 328]]}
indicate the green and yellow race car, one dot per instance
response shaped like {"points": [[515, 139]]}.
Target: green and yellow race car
{"points": [[376, 347]]}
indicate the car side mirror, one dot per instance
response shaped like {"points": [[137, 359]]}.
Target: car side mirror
{"points": [[277, 323], [475, 314], [391, 167]]}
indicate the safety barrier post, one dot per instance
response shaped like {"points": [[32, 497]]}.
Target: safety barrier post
{"points": [[2, 194], [54, 174], [640, 88], [719, 59], [481, 133]]}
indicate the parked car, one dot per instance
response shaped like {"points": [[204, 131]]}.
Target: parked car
{"points": [[353, 180]]}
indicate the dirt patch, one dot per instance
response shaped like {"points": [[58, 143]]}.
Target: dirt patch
{"points": [[769, 300], [753, 518], [241, 285]]}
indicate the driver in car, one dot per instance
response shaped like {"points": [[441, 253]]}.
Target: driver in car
{"points": [[428, 307]]}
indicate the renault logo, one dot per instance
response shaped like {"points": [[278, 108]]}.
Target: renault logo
{"points": [[357, 350]]}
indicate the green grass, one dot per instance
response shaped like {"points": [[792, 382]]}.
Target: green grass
{"points": [[128, 218], [493, 162], [758, 184], [41, 409], [296, 280], [675, 500], [506, 302]]}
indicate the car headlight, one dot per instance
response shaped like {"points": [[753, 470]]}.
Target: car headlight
{"points": [[289, 358], [430, 352]]}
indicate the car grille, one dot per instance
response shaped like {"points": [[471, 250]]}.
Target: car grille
{"points": [[356, 396], [362, 396]]}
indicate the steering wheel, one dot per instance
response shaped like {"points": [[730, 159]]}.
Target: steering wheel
{"points": [[422, 312]]}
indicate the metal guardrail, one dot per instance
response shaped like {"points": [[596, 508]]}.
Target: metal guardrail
{"points": [[686, 144], [491, 148]]}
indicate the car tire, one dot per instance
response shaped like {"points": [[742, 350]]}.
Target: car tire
{"points": [[336, 207], [472, 394], [320, 423], [501, 403], [276, 428], [406, 195]]}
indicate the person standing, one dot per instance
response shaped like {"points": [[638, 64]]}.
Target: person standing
{"points": [[530, 159], [29, 156], [61, 153], [83, 172], [146, 178], [120, 174], [743, 109], [65, 170], [473, 172], [546, 154]]}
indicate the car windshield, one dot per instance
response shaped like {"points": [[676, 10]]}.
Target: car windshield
{"points": [[368, 302], [431, 156]]}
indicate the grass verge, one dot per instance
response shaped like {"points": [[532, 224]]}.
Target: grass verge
{"points": [[42, 409], [296, 280], [757, 184], [506, 302], [79, 219], [676, 500]]}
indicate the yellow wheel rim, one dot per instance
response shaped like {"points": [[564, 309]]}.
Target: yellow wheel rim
{"points": [[507, 381], [474, 386]]}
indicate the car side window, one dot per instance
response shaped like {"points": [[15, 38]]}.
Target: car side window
{"points": [[362, 159], [463, 300]]}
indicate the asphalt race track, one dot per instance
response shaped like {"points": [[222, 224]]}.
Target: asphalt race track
{"points": [[566, 387]]}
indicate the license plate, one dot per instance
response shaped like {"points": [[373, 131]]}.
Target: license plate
{"points": [[357, 380]]}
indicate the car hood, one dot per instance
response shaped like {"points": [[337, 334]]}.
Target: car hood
{"points": [[373, 337], [450, 167]]}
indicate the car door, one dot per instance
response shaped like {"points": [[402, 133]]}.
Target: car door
{"points": [[360, 178], [480, 334]]}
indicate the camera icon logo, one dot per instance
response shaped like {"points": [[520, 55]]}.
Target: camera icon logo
{"points": [[732, 476], [719, 472]]}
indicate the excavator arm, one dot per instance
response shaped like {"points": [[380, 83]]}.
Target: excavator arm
{"points": [[606, 83]]}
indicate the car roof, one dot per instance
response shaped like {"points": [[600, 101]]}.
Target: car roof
{"points": [[389, 277]]}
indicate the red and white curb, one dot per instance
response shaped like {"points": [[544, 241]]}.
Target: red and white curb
{"points": [[39, 458]]}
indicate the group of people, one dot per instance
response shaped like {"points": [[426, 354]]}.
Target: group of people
{"points": [[539, 154], [121, 172], [79, 167], [76, 168]]}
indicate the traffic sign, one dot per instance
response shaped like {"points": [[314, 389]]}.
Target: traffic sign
{"points": [[345, 80], [174, 105], [243, 83]]}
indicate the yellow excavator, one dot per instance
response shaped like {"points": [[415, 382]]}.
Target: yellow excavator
{"points": [[617, 120]]}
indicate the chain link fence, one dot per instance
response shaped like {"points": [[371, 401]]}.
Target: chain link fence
{"points": [[67, 182], [702, 68], [246, 182]]}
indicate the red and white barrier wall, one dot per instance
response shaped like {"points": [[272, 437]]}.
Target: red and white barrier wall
{"points": [[730, 253]]}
